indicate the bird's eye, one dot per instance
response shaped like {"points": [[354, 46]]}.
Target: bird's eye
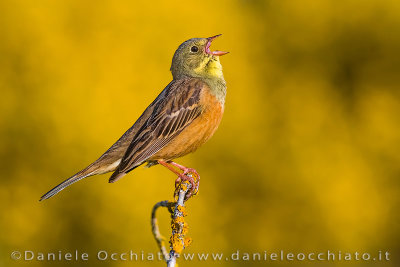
{"points": [[194, 49]]}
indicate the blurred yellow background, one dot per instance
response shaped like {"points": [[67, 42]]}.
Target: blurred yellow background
{"points": [[307, 157]]}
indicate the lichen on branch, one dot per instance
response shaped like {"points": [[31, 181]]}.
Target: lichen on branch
{"points": [[178, 240]]}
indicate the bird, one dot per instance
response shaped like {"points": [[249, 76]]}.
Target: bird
{"points": [[183, 117]]}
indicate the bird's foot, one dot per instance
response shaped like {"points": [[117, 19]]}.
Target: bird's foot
{"points": [[192, 176], [188, 174]]}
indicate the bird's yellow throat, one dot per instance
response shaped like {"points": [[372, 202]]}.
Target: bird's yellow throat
{"points": [[210, 67]]}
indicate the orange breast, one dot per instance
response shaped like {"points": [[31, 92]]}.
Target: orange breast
{"points": [[197, 133]]}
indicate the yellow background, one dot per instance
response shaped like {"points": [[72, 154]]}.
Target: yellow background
{"points": [[307, 157]]}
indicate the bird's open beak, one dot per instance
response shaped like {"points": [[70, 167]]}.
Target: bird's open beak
{"points": [[214, 53]]}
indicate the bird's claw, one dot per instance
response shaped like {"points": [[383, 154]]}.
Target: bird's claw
{"points": [[190, 175]]}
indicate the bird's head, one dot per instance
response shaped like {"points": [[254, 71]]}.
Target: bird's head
{"points": [[195, 59]]}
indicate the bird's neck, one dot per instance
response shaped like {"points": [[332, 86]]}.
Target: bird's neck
{"points": [[217, 87], [211, 73]]}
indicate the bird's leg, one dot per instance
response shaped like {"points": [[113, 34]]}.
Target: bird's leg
{"points": [[187, 175], [184, 169]]}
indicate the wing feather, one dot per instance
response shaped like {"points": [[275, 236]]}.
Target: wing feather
{"points": [[175, 108]]}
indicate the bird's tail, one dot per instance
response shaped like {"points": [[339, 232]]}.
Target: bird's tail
{"points": [[73, 179]]}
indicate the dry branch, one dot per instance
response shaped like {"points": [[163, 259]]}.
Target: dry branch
{"points": [[178, 240]]}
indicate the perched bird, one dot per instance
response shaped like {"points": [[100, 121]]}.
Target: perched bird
{"points": [[182, 118]]}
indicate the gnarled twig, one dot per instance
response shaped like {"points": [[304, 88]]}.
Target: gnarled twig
{"points": [[178, 241], [156, 231]]}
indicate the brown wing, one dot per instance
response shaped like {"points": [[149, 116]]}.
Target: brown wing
{"points": [[174, 109]]}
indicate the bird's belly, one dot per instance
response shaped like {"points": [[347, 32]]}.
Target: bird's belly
{"points": [[193, 136]]}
